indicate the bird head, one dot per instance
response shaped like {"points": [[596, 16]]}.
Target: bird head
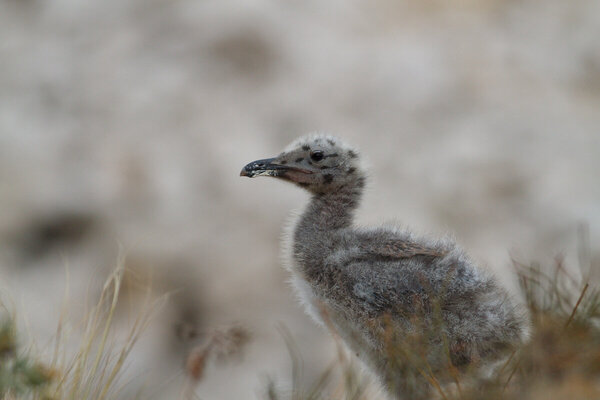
{"points": [[318, 163]]}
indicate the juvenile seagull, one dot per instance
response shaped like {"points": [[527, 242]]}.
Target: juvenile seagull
{"points": [[416, 311]]}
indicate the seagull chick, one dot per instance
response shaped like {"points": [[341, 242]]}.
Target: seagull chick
{"points": [[416, 311]]}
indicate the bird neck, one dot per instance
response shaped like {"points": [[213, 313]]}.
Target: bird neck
{"points": [[314, 231], [333, 210]]}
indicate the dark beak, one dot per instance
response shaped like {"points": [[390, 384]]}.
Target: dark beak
{"points": [[262, 168], [267, 167]]}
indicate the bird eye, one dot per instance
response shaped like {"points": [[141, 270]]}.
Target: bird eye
{"points": [[316, 155]]}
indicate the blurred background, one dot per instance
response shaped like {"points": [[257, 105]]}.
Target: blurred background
{"points": [[124, 125]]}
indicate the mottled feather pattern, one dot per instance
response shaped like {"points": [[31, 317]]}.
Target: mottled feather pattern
{"points": [[386, 292]]}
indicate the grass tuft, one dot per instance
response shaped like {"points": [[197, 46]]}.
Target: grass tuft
{"points": [[93, 370]]}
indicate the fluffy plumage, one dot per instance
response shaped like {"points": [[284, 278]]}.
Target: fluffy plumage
{"points": [[411, 308]]}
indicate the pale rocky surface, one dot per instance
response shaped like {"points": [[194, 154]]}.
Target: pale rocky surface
{"points": [[126, 122]]}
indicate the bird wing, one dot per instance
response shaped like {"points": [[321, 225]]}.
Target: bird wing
{"points": [[401, 249], [386, 270], [389, 245]]}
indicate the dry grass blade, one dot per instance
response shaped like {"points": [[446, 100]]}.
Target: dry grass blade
{"points": [[585, 288]]}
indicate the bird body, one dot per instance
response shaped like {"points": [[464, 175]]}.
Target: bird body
{"points": [[411, 308]]}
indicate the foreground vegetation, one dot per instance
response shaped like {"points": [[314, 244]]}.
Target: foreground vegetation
{"points": [[561, 361], [90, 368]]}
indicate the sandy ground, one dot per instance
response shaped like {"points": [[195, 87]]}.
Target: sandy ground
{"points": [[124, 125]]}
